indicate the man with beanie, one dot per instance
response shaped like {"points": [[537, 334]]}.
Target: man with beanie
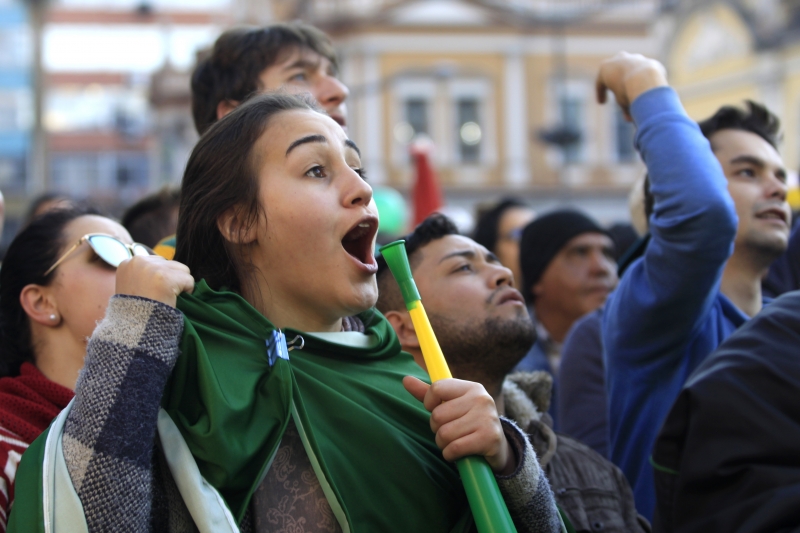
{"points": [[568, 270]]}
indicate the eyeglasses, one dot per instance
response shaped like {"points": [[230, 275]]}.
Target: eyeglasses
{"points": [[110, 249]]}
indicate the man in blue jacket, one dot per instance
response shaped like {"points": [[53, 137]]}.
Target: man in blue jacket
{"points": [[720, 217]]}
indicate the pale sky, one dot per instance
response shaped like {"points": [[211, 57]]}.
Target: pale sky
{"points": [[122, 48]]}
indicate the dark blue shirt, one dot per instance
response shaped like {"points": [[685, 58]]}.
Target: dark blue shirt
{"points": [[582, 398]]}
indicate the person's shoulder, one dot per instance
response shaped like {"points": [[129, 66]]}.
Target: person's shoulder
{"points": [[786, 306], [588, 324], [775, 331]]}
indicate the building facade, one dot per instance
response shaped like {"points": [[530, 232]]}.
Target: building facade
{"points": [[722, 53], [16, 96], [491, 83], [504, 89]]}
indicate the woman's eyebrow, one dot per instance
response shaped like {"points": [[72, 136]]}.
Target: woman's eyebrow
{"points": [[351, 144], [307, 139]]}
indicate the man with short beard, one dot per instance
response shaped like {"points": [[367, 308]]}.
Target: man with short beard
{"points": [[484, 329]]}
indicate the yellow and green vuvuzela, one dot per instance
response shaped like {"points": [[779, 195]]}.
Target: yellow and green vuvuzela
{"points": [[488, 508]]}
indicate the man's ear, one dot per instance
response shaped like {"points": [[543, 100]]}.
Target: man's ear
{"points": [[39, 305], [225, 107], [236, 226], [404, 328]]}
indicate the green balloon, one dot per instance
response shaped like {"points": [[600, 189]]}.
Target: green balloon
{"points": [[392, 211]]}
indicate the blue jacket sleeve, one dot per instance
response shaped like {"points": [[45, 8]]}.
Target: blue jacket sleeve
{"points": [[664, 296]]}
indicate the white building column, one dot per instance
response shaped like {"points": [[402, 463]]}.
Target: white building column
{"points": [[515, 121], [372, 120]]}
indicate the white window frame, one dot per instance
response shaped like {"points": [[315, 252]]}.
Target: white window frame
{"points": [[479, 89], [583, 89], [404, 89]]}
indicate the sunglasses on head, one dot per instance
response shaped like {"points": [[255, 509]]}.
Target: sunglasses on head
{"points": [[110, 249]]}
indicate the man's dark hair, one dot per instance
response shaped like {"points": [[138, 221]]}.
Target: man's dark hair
{"points": [[755, 119], [153, 217], [432, 228], [485, 232], [231, 69]]}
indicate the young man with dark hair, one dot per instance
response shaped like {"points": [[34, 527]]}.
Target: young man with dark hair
{"points": [[247, 61], [483, 327], [499, 229], [244, 62], [737, 416], [700, 276]]}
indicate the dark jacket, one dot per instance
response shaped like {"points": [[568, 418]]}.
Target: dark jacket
{"points": [[728, 455], [784, 273], [582, 398], [591, 491]]}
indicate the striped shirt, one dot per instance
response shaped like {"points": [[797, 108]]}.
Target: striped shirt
{"points": [[28, 403]]}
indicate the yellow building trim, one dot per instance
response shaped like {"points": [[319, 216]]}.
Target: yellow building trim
{"points": [[712, 42]]}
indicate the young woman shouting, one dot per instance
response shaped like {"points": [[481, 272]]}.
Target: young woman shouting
{"points": [[277, 399]]}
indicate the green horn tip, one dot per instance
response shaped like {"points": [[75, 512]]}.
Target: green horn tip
{"points": [[397, 260]]}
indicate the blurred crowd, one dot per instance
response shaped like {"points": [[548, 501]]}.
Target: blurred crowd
{"points": [[237, 355]]}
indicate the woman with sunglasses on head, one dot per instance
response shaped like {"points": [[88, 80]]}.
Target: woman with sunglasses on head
{"points": [[54, 288], [286, 403]]}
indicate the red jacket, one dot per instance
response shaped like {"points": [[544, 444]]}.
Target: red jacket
{"points": [[28, 403]]}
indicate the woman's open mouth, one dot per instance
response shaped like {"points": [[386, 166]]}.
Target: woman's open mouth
{"points": [[358, 243]]}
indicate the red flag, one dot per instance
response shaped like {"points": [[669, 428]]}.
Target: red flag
{"points": [[427, 195]]}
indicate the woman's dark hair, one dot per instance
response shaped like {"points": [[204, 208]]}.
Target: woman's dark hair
{"points": [[31, 253], [231, 70], [485, 232], [221, 174], [46, 198]]}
